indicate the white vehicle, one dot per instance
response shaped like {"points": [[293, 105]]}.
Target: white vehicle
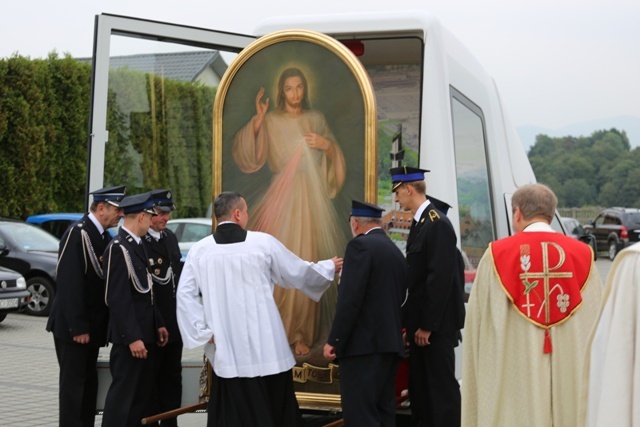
{"points": [[428, 87], [189, 231]]}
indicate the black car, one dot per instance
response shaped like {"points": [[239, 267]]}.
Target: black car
{"points": [[13, 292], [615, 229], [32, 252], [573, 228]]}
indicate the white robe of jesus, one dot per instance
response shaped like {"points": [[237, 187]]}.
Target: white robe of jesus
{"points": [[226, 292]]}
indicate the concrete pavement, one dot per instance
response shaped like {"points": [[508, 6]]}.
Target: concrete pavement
{"points": [[29, 372]]}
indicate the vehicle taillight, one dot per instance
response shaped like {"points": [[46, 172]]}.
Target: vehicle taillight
{"points": [[623, 233]]}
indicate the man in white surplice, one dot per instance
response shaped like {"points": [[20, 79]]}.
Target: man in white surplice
{"points": [[225, 300]]}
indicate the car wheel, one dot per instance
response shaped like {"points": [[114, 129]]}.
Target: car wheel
{"points": [[613, 249], [42, 292], [2, 317]]}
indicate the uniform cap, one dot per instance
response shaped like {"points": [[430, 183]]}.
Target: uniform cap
{"points": [[163, 200], [138, 203], [404, 174], [111, 195], [365, 210]]}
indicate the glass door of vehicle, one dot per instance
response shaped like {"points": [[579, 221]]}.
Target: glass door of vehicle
{"points": [[151, 123]]}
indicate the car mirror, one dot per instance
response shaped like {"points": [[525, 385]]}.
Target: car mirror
{"points": [[3, 249]]}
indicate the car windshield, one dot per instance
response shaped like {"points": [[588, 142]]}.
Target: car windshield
{"points": [[30, 238]]}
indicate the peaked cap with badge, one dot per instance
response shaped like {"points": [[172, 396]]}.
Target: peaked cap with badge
{"points": [[163, 200], [111, 195], [403, 174], [138, 203]]}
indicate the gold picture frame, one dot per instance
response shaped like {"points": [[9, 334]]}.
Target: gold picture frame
{"points": [[292, 186]]}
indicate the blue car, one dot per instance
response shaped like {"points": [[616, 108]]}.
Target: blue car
{"points": [[54, 223]]}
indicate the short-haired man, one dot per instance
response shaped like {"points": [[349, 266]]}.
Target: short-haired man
{"points": [[164, 255], [533, 304], [366, 335], [79, 316], [434, 310], [225, 300], [135, 324]]}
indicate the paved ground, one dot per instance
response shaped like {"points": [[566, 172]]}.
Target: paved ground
{"points": [[29, 373]]}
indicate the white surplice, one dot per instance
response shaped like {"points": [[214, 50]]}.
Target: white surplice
{"points": [[236, 306], [614, 366]]}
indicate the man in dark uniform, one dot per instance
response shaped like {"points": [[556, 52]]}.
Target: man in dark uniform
{"points": [[135, 323], [164, 255], [434, 311], [79, 315], [366, 335]]}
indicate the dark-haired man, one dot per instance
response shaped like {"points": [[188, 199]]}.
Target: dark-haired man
{"points": [[225, 300]]}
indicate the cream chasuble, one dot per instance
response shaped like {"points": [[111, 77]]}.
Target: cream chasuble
{"points": [[507, 378]]}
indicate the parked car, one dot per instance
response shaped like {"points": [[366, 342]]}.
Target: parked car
{"points": [[32, 252], [13, 292], [189, 231], [54, 223], [573, 228], [615, 229]]}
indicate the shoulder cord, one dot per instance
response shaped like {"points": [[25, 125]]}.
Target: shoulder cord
{"points": [[163, 280], [87, 248], [132, 275], [63, 249]]}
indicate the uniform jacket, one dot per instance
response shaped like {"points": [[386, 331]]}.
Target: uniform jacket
{"points": [[79, 307], [371, 291], [165, 253], [134, 315], [436, 276]]}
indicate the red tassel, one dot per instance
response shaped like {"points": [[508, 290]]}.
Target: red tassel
{"points": [[547, 342]]}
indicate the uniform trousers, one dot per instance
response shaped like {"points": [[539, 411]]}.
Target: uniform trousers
{"points": [[129, 396], [434, 392], [367, 389], [168, 374], [78, 383]]}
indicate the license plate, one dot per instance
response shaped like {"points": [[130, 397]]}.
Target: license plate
{"points": [[9, 303]]}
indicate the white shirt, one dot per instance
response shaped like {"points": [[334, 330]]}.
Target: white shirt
{"points": [[421, 209], [236, 306]]}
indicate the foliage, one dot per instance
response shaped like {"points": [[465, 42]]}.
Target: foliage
{"points": [[160, 135], [600, 169]]}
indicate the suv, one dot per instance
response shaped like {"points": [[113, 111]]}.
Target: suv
{"points": [[615, 229]]}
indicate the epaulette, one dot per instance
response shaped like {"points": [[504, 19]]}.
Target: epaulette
{"points": [[433, 215]]}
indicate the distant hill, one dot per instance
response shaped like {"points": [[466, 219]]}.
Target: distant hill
{"points": [[629, 124]]}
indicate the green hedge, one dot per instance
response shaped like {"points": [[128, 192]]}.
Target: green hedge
{"points": [[159, 136]]}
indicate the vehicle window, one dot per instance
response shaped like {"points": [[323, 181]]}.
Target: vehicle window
{"points": [[599, 220], [30, 238], [633, 218], [611, 220], [173, 226], [195, 232], [472, 174]]}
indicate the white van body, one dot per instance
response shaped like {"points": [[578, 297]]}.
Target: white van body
{"points": [[463, 135]]}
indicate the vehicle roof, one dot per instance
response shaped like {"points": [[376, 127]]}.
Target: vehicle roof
{"points": [[40, 218], [206, 221]]}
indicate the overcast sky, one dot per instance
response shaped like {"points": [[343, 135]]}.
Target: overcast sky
{"points": [[555, 62]]}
